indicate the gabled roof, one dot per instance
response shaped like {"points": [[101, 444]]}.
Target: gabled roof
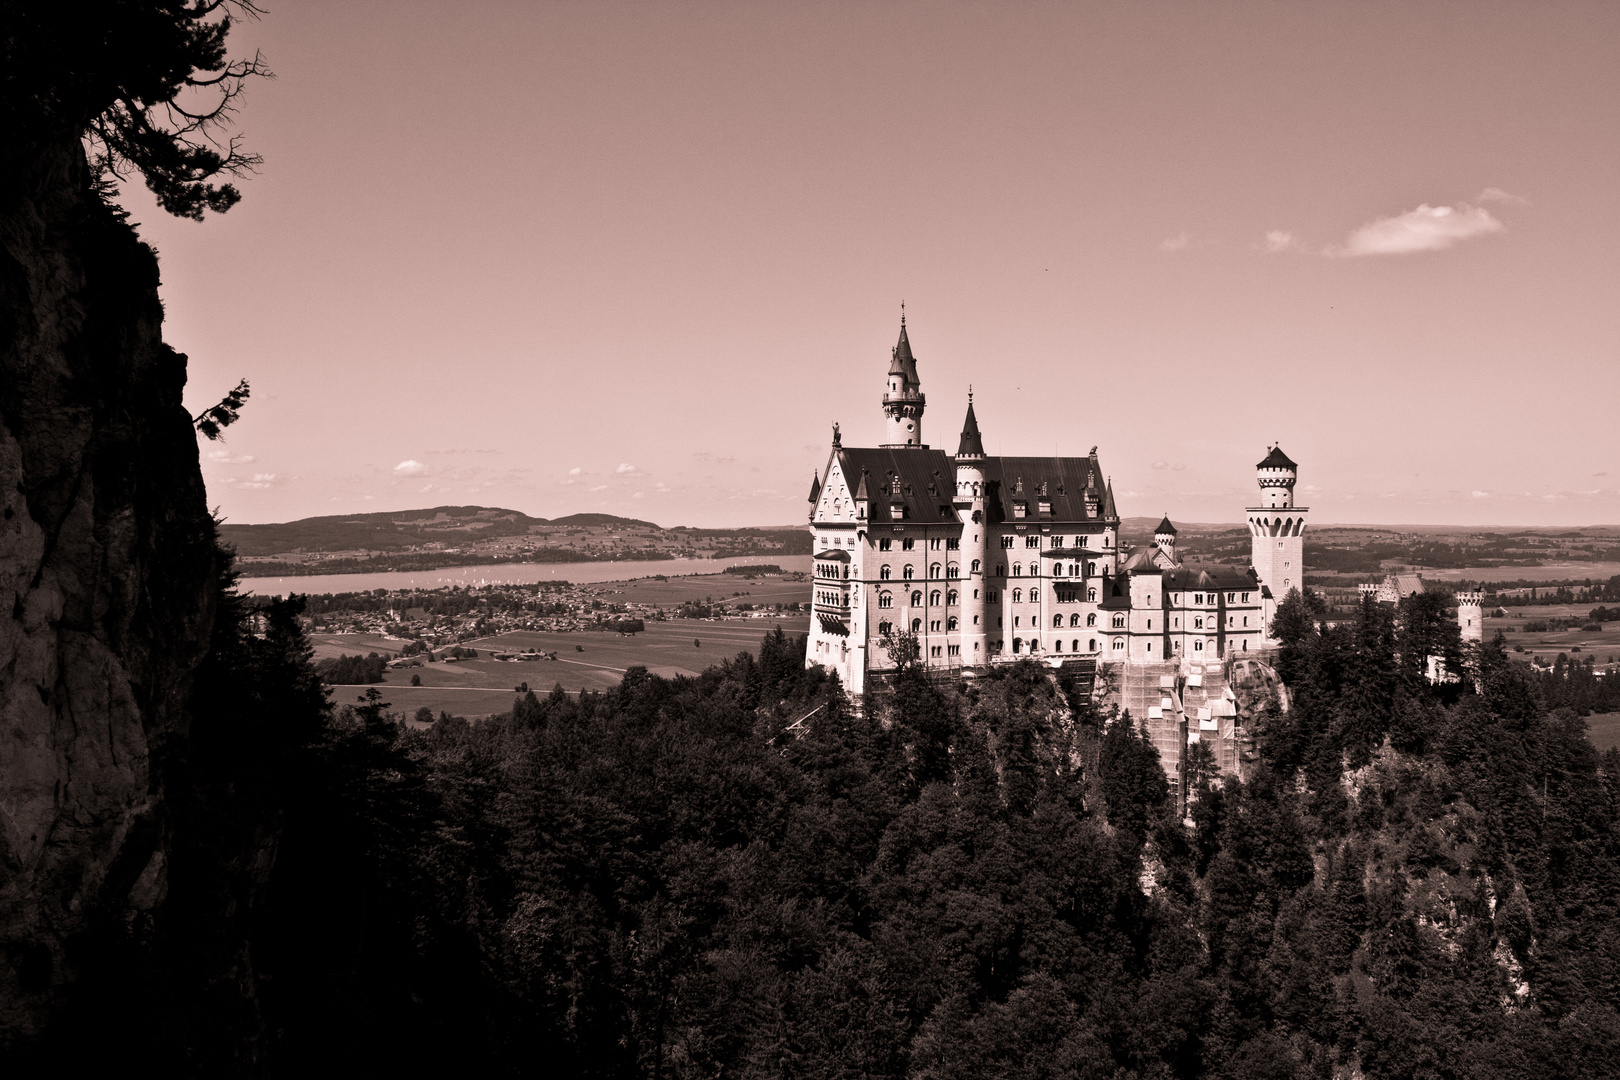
{"points": [[1276, 460], [833, 555], [902, 477], [1209, 578], [971, 445], [1014, 480], [1165, 527]]}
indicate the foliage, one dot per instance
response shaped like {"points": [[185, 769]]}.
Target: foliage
{"points": [[352, 670]]}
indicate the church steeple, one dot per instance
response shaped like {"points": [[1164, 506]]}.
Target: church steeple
{"points": [[971, 445], [903, 400]]}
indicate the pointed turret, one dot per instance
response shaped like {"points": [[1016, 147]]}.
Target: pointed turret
{"points": [[1165, 528], [860, 490], [815, 486], [972, 445], [903, 400], [1164, 538], [1108, 511]]}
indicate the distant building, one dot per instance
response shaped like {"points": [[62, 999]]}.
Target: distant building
{"points": [[1469, 612], [989, 559]]}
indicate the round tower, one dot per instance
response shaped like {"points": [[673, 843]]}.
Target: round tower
{"points": [[1471, 616], [970, 508], [1164, 538], [903, 400], [1277, 476]]}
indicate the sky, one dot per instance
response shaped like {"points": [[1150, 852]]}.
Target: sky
{"points": [[638, 258]]}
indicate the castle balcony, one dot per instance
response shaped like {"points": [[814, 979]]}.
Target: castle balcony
{"points": [[905, 397]]}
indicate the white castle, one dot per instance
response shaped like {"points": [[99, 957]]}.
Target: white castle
{"points": [[995, 559]]}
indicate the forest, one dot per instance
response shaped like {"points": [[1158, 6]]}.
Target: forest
{"points": [[743, 874]]}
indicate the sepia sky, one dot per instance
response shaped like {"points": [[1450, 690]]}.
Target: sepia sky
{"points": [[637, 258]]}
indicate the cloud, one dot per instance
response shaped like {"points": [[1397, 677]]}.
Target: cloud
{"points": [[627, 469], [260, 480], [1278, 240], [410, 467], [639, 495], [575, 471], [1163, 464], [1481, 494], [225, 457], [1428, 228], [599, 487], [1496, 194], [1178, 242]]}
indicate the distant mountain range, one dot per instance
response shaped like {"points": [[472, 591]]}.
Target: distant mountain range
{"points": [[472, 535]]}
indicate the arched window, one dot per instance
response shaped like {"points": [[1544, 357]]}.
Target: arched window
{"points": [[907, 572], [1198, 622], [1074, 620], [933, 597], [883, 572], [933, 571], [1091, 569], [950, 599], [1057, 621], [1034, 596], [1119, 622], [1018, 644], [1091, 645], [1018, 596], [1091, 595], [1018, 569], [916, 626], [1119, 643], [885, 600], [885, 628], [950, 624], [1198, 646], [1001, 570], [1057, 646], [1075, 645], [975, 566], [916, 598], [1091, 620]]}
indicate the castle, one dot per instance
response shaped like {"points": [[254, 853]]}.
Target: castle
{"points": [[984, 559]]}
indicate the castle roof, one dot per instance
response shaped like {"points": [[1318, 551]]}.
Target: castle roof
{"points": [[815, 488], [972, 445], [1108, 510], [1209, 578], [903, 363], [1276, 460], [1165, 527], [919, 484]]}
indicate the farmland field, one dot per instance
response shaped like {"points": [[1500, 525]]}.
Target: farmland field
{"points": [[483, 686], [1603, 644]]}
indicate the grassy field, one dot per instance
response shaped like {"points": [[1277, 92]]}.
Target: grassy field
{"points": [[1604, 644], [1559, 571], [707, 588], [585, 661]]}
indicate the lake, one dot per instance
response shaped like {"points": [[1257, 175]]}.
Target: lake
{"points": [[509, 574]]}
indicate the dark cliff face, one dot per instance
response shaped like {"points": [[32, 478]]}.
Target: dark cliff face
{"points": [[107, 574]]}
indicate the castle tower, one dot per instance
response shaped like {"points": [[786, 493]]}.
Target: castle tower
{"points": [[1164, 538], [903, 400], [1471, 616], [1277, 527], [970, 508]]}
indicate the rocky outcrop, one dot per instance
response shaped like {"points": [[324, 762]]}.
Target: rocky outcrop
{"points": [[107, 570]]}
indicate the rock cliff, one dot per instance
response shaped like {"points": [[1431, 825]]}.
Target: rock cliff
{"points": [[107, 572]]}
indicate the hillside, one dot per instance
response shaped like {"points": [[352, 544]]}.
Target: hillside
{"points": [[476, 535]]}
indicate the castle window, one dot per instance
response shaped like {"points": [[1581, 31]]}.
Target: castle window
{"points": [[952, 543], [1091, 595], [884, 544], [907, 572], [933, 571], [1057, 541], [1018, 644], [1001, 570], [933, 597], [933, 650], [1034, 596], [1198, 598], [1045, 506], [933, 544], [990, 596], [1019, 510], [1231, 597], [1018, 596], [1198, 646], [933, 625], [1074, 620], [1082, 541], [885, 628], [1006, 541], [1091, 569], [950, 599], [1018, 569], [1119, 622], [908, 543], [1198, 623], [1057, 646], [1032, 541], [885, 600], [1057, 621], [950, 624], [883, 572], [975, 566], [916, 626], [1119, 643], [1091, 645], [1245, 598], [1074, 646], [952, 570]]}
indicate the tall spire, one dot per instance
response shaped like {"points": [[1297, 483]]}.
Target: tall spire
{"points": [[815, 487], [903, 400], [1108, 511], [972, 445]]}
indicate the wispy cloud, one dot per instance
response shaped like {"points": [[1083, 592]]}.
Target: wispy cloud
{"points": [[627, 469], [225, 457], [1496, 194], [1428, 228], [1277, 241], [1178, 242], [1163, 464], [260, 480], [410, 467]]}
